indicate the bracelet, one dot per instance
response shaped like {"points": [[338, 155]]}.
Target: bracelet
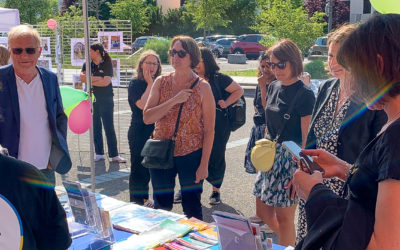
{"points": [[348, 170]]}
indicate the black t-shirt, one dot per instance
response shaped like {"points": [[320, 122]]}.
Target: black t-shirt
{"points": [[223, 82], [279, 98], [257, 102], [135, 91], [103, 69], [43, 218]]}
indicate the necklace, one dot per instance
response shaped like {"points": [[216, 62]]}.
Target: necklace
{"points": [[389, 122]]}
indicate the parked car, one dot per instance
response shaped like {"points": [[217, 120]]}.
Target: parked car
{"points": [[222, 47], [320, 47], [141, 41], [248, 45]]}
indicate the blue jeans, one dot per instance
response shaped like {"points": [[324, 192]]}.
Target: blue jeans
{"points": [[163, 181], [103, 112]]}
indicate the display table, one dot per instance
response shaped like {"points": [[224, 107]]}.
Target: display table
{"points": [[120, 214]]}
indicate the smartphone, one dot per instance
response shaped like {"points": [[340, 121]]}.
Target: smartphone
{"points": [[295, 150]]}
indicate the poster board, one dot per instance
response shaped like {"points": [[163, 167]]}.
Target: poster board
{"points": [[45, 43], [44, 62], [77, 84], [112, 41], [115, 80], [77, 51]]}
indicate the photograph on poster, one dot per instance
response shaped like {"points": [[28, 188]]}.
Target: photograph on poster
{"points": [[116, 41], [4, 41], [116, 72], [44, 62], [45, 43], [77, 51], [104, 39], [77, 84]]}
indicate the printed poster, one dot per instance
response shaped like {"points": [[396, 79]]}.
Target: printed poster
{"points": [[44, 62], [77, 51], [45, 43], [116, 72]]}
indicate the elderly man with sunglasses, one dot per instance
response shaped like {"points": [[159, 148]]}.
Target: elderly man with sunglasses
{"points": [[33, 125]]}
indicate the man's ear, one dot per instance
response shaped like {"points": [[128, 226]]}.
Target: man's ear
{"points": [[380, 63]]}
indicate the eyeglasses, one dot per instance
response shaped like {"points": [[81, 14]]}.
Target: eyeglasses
{"points": [[18, 51], [151, 63], [265, 66], [280, 65], [181, 53]]}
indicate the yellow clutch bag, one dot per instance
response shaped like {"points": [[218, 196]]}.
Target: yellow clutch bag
{"points": [[263, 154]]}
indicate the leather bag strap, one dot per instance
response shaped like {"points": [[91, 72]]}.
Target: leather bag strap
{"points": [[180, 111]]}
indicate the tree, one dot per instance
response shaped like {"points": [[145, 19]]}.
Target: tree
{"points": [[177, 21], [279, 19], [134, 10], [208, 14], [340, 14], [35, 11], [242, 15]]}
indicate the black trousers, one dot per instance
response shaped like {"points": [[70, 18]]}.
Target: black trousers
{"points": [[140, 176], [163, 181], [217, 163]]}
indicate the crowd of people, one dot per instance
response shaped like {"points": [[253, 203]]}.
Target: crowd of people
{"points": [[349, 129]]}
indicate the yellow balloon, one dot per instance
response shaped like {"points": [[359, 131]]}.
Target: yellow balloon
{"points": [[386, 6]]}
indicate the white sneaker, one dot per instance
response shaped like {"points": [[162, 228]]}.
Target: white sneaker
{"points": [[255, 219], [99, 157], [118, 159]]}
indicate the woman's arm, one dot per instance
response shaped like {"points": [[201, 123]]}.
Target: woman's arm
{"points": [[235, 93], [305, 122], [100, 81], [208, 112], [153, 111], [386, 233], [149, 80]]}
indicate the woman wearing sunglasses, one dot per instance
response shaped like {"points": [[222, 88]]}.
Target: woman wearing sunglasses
{"points": [[370, 218], [148, 69], [277, 206], [226, 92], [337, 125], [103, 107], [195, 132]]}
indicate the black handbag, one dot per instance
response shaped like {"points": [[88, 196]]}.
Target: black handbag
{"points": [[236, 112], [159, 154]]}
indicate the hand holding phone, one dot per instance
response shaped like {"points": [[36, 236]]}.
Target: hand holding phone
{"points": [[306, 160]]}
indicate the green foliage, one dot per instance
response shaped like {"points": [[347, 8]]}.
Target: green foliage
{"points": [[34, 11], [134, 10], [242, 15], [316, 69], [159, 46], [279, 19], [208, 14]]}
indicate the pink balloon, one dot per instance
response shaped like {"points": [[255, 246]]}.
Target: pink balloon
{"points": [[52, 24], [80, 119]]}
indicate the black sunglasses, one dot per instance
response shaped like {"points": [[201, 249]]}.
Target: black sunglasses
{"points": [[280, 65], [181, 53], [18, 51]]}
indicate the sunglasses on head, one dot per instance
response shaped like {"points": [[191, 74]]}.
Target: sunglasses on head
{"points": [[181, 53], [280, 65], [18, 51]]}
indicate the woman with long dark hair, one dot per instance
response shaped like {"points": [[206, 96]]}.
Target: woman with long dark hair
{"points": [[226, 92], [103, 106], [147, 70], [370, 218]]}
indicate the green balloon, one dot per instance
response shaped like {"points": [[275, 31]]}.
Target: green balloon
{"points": [[71, 97], [68, 110], [386, 6]]}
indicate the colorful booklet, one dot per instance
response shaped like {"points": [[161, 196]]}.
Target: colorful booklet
{"points": [[137, 219], [166, 232]]}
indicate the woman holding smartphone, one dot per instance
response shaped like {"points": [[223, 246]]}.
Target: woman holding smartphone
{"points": [[278, 208], [370, 218]]}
